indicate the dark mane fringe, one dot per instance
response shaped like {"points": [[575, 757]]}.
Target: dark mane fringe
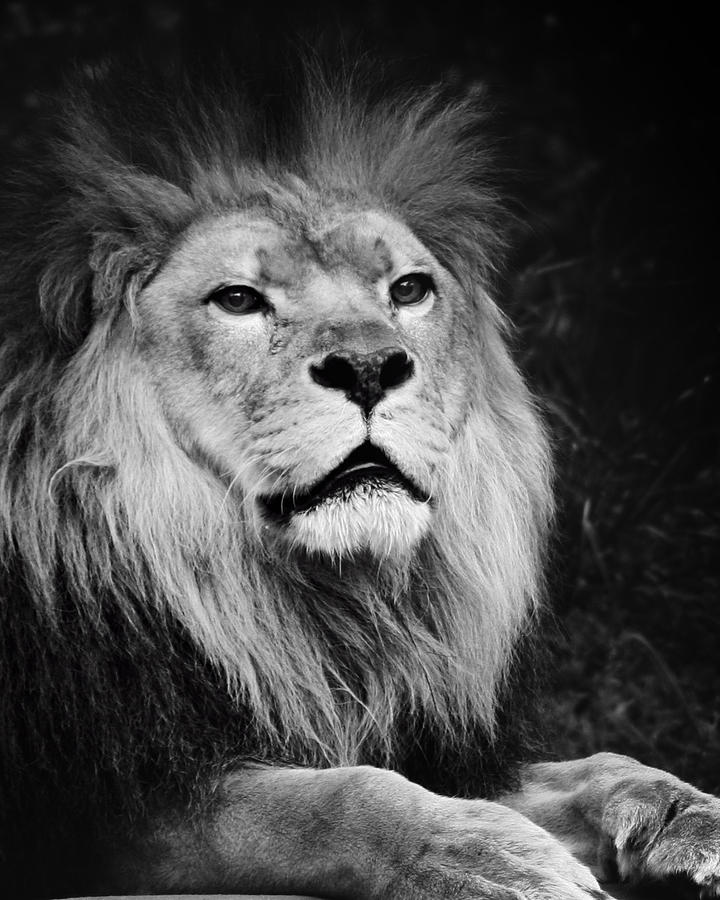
{"points": [[145, 631]]}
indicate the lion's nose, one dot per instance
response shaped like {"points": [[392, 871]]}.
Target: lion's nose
{"points": [[364, 377]]}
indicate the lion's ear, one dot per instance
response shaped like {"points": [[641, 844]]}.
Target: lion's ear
{"points": [[119, 269], [110, 234], [87, 278]]}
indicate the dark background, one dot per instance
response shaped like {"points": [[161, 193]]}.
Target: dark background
{"points": [[611, 118]]}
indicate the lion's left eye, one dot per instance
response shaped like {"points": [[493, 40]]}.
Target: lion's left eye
{"points": [[411, 289], [238, 299]]}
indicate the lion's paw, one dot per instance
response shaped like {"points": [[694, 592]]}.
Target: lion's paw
{"points": [[664, 829], [476, 850]]}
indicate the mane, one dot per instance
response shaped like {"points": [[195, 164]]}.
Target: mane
{"points": [[127, 562]]}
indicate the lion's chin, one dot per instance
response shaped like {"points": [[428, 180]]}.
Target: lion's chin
{"points": [[385, 521], [365, 504]]}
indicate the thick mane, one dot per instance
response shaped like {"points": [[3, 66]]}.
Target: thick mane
{"points": [[126, 563]]}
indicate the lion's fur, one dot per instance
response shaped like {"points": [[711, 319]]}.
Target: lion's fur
{"points": [[143, 624]]}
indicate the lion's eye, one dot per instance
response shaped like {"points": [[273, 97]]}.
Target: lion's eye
{"points": [[238, 299], [411, 289]]}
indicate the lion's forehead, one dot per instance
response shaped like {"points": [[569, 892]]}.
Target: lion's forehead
{"points": [[364, 246]]}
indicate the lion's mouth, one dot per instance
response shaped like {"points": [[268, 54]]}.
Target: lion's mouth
{"points": [[367, 469]]}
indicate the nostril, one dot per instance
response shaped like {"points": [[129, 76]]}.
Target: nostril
{"points": [[364, 377], [334, 371], [396, 369]]}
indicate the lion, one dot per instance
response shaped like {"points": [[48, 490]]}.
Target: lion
{"points": [[275, 506]]}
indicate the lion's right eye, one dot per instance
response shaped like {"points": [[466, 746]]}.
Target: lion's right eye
{"points": [[411, 289], [239, 300]]}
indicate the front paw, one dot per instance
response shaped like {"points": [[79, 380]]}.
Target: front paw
{"points": [[660, 828], [478, 850]]}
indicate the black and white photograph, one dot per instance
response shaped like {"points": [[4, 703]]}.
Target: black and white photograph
{"points": [[359, 451]]}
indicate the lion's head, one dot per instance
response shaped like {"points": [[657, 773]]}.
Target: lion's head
{"points": [[255, 390], [306, 350]]}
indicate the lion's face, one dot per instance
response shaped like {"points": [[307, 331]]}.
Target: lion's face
{"points": [[315, 370]]}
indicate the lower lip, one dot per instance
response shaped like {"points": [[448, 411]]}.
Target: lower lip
{"points": [[357, 476], [340, 488]]}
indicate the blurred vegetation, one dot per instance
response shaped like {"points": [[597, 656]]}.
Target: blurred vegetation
{"points": [[612, 123]]}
